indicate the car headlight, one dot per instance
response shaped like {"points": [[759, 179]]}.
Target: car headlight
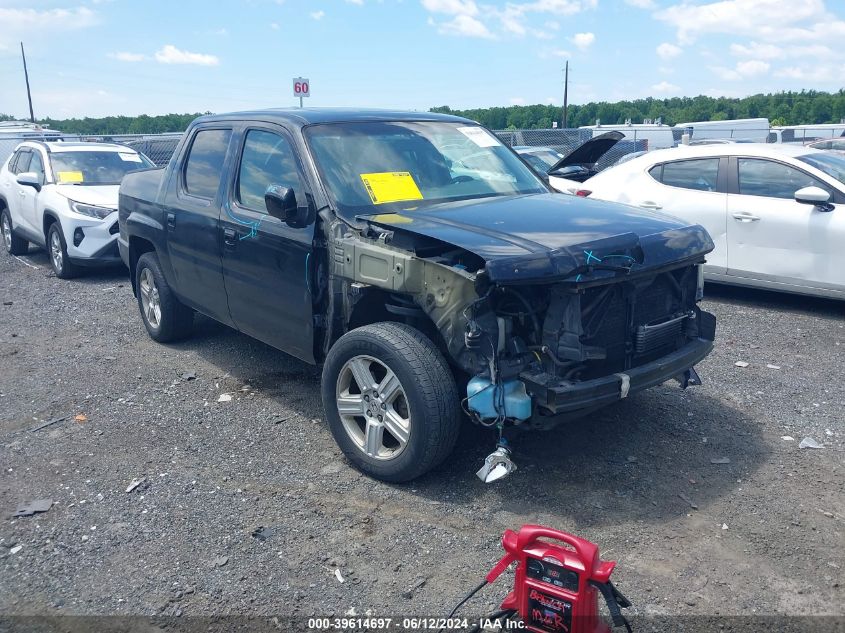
{"points": [[91, 210]]}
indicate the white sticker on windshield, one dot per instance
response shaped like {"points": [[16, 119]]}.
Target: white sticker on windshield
{"points": [[130, 158], [479, 136]]}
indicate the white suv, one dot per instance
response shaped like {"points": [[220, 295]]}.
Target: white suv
{"points": [[63, 196]]}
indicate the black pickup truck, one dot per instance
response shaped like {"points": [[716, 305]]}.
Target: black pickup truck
{"points": [[424, 265]]}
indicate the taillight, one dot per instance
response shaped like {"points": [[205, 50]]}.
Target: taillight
{"points": [[583, 192]]}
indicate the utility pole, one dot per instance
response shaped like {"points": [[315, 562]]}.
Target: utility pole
{"points": [[565, 93], [28, 93]]}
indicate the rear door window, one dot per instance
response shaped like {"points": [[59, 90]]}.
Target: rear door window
{"points": [[700, 174], [204, 166], [771, 179]]}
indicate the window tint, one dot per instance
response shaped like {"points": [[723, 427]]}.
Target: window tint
{"points": [[699, 174], [656, 172], [268, 159], [22, 164], [205, 162], [37, 166], [773, 180]]}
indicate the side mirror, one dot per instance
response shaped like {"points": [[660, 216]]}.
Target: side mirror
{"points": [[29, 179], [815, 196], [281, 203]]}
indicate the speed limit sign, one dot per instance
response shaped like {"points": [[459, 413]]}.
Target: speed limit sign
{"points": [[301, 88]]}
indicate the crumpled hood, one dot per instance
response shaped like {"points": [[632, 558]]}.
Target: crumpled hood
{"points": [[546, 236], [97, 195]]}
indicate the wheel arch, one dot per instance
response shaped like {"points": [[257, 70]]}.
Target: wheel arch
{"points": [[49, 218], [137, 247], [376, 305]]}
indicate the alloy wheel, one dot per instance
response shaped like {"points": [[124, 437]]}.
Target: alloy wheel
{"points": [[150, 300], [373, 407], [56, 254], [7, 232]]}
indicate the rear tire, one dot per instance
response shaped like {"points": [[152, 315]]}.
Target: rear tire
{"points": [[165, 317], [14, 245], [57, 253], [400, 404]]}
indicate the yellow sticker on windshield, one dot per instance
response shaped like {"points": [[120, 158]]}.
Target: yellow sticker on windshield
{"points": [[391, 186], [70, 176]]}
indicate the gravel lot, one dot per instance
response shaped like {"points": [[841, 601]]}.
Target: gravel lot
{"points": [[762, 534]]}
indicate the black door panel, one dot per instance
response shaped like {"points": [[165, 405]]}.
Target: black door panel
{"points": [[193, 225], [265, 261]]}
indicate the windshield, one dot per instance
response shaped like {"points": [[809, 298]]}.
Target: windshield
{"points": [[374, 166], [831, 164], [541, 160], [95, 168]]}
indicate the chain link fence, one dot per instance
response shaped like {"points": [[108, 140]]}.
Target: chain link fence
{"points": [[157, 147]]}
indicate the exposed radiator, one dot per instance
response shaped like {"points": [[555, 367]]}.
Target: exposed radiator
{"points": [[651, 337]]}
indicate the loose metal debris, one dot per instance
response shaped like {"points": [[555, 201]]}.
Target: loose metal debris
{"points": [[809, 442], [33, 507]]}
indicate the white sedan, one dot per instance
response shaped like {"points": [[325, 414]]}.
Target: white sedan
{"points": [[775, 213]]}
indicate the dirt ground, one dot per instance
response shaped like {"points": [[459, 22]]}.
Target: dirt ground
{"points": [[761, 533]]}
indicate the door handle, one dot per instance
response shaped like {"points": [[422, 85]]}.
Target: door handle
{"points": [[230, 237], [744, 216], [171, 220], [648, 204], [22, 194]]}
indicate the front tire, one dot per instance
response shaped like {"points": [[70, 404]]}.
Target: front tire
{"points": [[391, 401], [164, 316], [14, 244], [57, 252]]}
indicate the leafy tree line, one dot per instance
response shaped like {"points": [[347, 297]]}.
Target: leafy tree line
{"points": [[143, 124], [781, 108]]}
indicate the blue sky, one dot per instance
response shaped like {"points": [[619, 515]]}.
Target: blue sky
{"points": [[100, 57]]}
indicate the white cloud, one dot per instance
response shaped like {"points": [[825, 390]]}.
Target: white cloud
{"points": [[358, 2], [664, 87], [17, 23], [667, 51], [464, 25], [642, 4], [275, 26], [758, 51], [511, 17], [452, 7], [583, 40], [768, 19], [815, 73], [169, 54], [128, 57], [517, 101], [752, 68], [555, 52], [318, 15], [743, 70]]}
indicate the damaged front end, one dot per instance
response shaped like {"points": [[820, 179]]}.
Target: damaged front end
{"points": [[547, 336]]}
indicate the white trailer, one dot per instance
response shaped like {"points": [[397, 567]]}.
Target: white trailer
{"points": [[803, 134], [656, 135], [755, 130]]}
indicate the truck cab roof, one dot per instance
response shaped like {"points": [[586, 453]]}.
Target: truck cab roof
{"points": [[309, 116]]}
